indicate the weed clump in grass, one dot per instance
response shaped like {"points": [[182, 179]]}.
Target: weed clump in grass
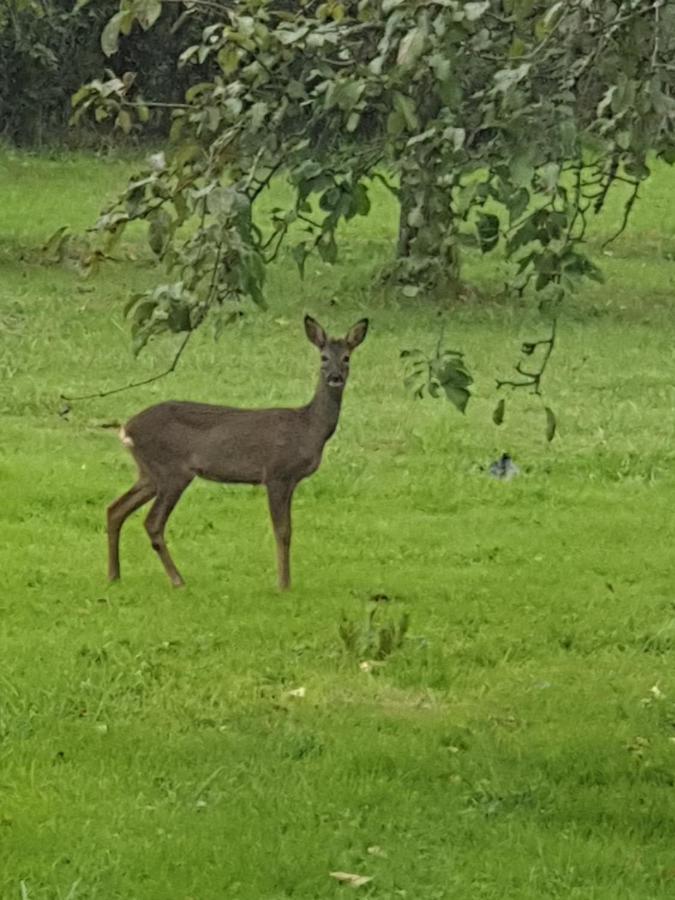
{"points": [[371, 640]]}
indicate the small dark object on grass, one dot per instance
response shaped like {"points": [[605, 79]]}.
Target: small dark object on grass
{"points": [[504, 468]]}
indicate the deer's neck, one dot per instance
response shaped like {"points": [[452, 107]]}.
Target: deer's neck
{"points": [[324, 411]]}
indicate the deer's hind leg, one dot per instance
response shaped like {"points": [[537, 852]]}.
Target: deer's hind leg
{"points": [[167, 497], [118, 513]]}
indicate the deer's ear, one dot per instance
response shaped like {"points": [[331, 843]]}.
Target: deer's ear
{"points": [[357, 334], [315, 332]]}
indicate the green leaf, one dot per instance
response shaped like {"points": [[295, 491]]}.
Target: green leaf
{"points": [[458, 396], [224, 202], [488, 231], [257, 115], [300, 254], [142, 313], [548, 177], [415, 217], [568, 137], [521, 170], [228, 59], [473, 11], [252, 276], [327, 247], [440, 63], [498, 413], [150, 11], [85, 91], [505, 79], [624, 138], [406, 108], [551, 423], [131, 303], [395, 123], [456, 136], [606, 101], [353, 121], [111, 33], [287, 36], [360, 202], [159, 231], [344, 94], [123, 121], [517, 203], [411, 46], [521, 237], [187, 54]]}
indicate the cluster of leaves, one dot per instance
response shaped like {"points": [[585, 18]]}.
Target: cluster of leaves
{"points": [[442, 372], [505, 122], [531, 378]]}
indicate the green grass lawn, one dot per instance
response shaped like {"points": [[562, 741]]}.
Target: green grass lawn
{"points": [[521, 742]]}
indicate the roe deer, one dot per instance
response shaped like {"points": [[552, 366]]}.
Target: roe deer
{"points": [[176, 441]]}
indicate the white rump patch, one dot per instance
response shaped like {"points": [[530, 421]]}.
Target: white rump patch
{"points": [[124, 437]]}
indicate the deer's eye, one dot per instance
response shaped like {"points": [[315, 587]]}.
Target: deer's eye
{"points": [[324, 357], [345, 360]]}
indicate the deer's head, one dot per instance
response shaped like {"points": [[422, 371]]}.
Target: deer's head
{"points": [[335, 352]]}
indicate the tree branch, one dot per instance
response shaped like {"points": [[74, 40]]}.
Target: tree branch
{"points": [[533, 379], [626, 216], [203, 4], [135, 384]]}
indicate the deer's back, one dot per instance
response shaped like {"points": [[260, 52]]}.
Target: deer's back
{"points": [[223, 443]]}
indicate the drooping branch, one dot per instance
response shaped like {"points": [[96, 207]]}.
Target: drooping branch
{"points": [[533, 378], [628, 208], [134, 384]]}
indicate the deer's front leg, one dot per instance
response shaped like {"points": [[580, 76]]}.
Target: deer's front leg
{"points": [[279, 495]]}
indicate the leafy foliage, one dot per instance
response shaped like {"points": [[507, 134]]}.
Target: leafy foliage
{"points": [[505, 123], [532, 378], [442, 372]]}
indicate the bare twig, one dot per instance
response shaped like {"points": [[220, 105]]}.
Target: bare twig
{"points": [[265, 182], [273, 255], [626, 215], [309, 221], [135, 384], [204, 4], [611, 175], [177, 356], [154, 104], [533, 379], [657, 25], [254, 166]]}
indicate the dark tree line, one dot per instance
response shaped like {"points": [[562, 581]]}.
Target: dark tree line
{"points": [[49, 48]]}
